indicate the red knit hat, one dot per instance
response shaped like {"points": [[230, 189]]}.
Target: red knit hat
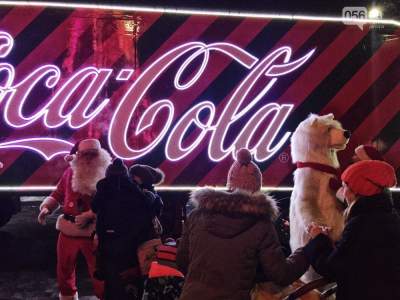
{"points": [[369, 177], [365, 152], [244, 174]]}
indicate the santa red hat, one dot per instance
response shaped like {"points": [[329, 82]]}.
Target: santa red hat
{"points": [[369, 177], [83, 146], [367, 152], [89, 145], [244, 174]]}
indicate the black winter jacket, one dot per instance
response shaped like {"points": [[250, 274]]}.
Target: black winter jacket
{"points": [[121, 206], [365, 262]]}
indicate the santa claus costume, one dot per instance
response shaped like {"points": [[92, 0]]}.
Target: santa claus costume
{"points": [[74, 192]]}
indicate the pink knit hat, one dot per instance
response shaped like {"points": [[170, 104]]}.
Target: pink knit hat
{"points": [[244, 174]]}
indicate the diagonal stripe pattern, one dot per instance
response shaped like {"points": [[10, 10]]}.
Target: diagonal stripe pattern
{"points": [[354, 74]]}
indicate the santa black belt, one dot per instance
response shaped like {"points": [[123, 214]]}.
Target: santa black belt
{"points": [[70, 218]]}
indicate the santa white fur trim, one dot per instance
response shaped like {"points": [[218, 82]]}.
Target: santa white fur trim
{"points": [[74, 297], [69, 157], [50, 203]]}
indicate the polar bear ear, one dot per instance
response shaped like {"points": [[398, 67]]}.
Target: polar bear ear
{"points": [[329, 116], [314, 119], [314, 122]]}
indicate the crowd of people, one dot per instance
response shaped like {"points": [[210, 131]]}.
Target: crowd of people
{"points": [[110, 213]]}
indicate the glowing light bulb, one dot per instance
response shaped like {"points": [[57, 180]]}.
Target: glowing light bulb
{"points": [[375, 13]]}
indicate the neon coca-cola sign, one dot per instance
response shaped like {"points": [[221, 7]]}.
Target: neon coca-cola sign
{"points": [[91, 80]]}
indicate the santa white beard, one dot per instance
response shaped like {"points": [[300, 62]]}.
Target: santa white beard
{"points": [[87, 172]]}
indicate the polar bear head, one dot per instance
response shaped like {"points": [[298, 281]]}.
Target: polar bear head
{"points": [[317, 139]]}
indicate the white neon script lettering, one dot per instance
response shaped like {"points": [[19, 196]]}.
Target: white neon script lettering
{"points": [[90, 81]]}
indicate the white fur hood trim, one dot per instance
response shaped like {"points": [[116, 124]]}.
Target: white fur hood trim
{"points": [[237, 202]]}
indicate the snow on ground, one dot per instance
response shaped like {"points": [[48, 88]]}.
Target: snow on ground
{"points": [[28, 259]]}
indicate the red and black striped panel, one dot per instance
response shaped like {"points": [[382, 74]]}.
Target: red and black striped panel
{"points": [[354, 74]]}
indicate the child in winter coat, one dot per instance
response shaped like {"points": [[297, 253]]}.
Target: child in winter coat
{"points": [[146, 177], [229, 234]]}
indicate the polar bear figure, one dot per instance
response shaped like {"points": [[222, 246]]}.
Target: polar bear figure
{"points": [[314, 147]]}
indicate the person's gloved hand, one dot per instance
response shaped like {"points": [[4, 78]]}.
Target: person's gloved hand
{"points": [[44, 212], [315, 229]]}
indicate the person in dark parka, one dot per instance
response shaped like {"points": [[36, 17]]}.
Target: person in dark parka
{"points": [[229, 234], [365, 262], [123, 214], [146, 177]]}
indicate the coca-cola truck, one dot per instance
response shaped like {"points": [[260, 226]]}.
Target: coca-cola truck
{"points": [[183, 91]]}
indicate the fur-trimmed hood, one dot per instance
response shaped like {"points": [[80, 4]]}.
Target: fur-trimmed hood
{"points": [[231, 213], [237, 202]]}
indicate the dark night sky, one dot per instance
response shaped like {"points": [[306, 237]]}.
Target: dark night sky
{"points": [[391, 8]]}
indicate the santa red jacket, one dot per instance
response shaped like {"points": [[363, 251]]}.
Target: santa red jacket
{"points": [[73, 203]]}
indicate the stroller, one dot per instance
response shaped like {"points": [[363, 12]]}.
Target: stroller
{"points": [[164, 281], [327, 293]]}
